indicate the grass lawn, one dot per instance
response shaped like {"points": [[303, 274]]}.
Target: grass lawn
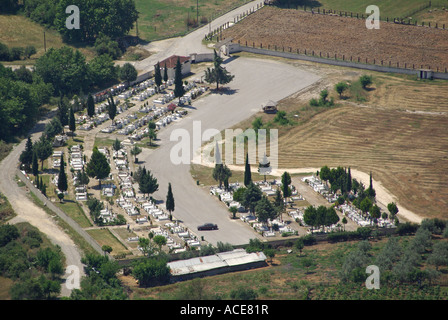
{"points": [[123, 233], [167, 18], [105, 237], [19, 31]]}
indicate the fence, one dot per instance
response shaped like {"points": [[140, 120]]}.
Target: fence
{"points": [[334, 59]]}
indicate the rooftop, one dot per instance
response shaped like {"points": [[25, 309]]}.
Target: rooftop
{"points": [[171, 61]]}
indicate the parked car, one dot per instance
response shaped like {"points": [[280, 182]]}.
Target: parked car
{"points": [[208, 226]]}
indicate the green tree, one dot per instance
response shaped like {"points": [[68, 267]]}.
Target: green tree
{"points": [[26, 157], [221, 173], [393, 209], [35, 164], [299, 244], [148, 183], [44, 149], [238, 194], [265, 210], [252, 195], [117, 145], [105, 45], [98, 167], [365, 81], [102, 70], [62, 178], [170, 205], [72, 122], [148, 271], [90, 106], [152, 135], [157, 76], [106, 249], [340, 87], [64, 68], [179, 90], [439, 255], [165, 73], [112, 18], [218, 74], [247, 172], [365, 205], [135, 151], [160, 241], [128, 73], [286, 181], [111, 108]]}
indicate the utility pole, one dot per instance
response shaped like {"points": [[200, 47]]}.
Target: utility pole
{"points": [[197, 12]]}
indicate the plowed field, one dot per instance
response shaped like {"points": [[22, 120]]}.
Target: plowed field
{"points": [[344, 36]]}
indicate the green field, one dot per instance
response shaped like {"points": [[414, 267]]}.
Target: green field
{"points": [[166, 18]]}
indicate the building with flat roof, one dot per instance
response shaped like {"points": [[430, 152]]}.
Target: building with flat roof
{"points": [[219, 263]]}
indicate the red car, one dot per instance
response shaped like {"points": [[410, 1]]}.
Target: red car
{"points": [[208, 226]]}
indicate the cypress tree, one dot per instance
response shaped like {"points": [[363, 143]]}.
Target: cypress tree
{"points": [[35, 163], [157, 75], [178, 84], [247, 173], [62, 179], [170, 199], [71, 121], [165, 73], [90, 106], [349, 180]]}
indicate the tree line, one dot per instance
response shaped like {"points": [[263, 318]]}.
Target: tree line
{"points": [[113, 18]]}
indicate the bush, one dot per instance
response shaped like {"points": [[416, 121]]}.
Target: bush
{"points": [[407, 228], [309, 239], [365, 81]]}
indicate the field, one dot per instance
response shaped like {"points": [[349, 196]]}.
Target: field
{"points": [[346, 37], [19, 31], [161, 19], [397, 8]]}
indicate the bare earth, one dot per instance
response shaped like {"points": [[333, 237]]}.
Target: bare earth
{"points": [[343, 36]]}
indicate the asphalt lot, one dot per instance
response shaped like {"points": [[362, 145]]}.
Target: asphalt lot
{"points": [[256, 81]]}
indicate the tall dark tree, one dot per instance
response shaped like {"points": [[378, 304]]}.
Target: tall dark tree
{"points": [[157, 75], [35, 163], [165, 73], [72, 122], [62, 178], [179, 90], [349, 180], [247, 172], [90, 106], [63, 109], [26, 157], [170, 200], [286, 181], [111, 108]]}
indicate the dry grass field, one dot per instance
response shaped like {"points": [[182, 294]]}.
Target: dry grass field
{"points": [[344, 36], [399, 133]]}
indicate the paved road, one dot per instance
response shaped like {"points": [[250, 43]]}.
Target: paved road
{"points": [[256, 81], [191, 43]]}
